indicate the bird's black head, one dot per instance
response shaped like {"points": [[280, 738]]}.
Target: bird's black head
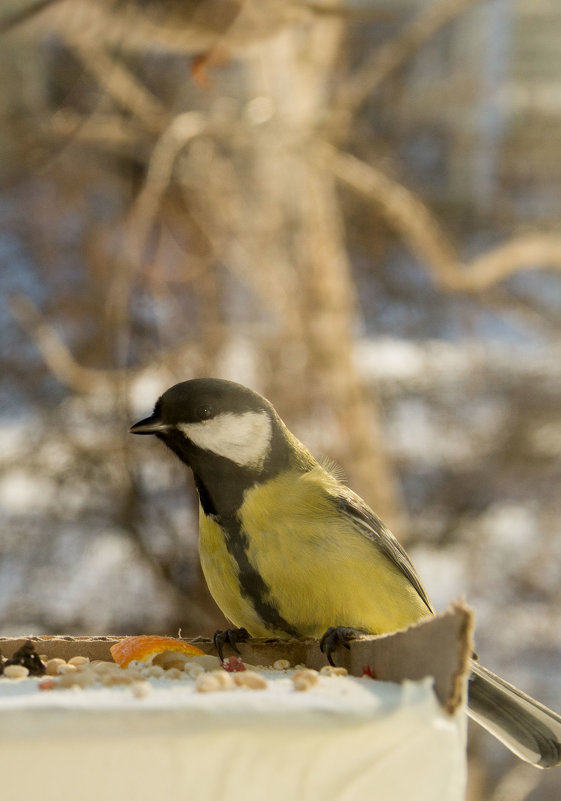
{"points": [[229, 435]]}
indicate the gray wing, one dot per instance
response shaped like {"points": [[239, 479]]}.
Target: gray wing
{"points": [[370, 525]]}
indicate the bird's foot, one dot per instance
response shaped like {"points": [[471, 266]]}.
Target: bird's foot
{"points": [[229, 637], [335, 636]]}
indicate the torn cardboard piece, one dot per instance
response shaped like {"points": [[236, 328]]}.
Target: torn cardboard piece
{"points": [[440, 646]]}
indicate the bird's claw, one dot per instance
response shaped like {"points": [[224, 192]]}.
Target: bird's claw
{"points": [[229, 637], [335, 636]]}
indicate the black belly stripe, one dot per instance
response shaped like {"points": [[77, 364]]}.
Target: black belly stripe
{"points": [[252, 585]]}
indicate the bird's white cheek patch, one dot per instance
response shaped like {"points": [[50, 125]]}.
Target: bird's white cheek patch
{"points": [[242, 438]]}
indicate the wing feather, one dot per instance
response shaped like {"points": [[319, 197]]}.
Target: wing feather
{"points": [[370, 525]]}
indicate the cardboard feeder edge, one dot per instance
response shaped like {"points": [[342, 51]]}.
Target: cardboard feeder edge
{"points": [[439, 646]]}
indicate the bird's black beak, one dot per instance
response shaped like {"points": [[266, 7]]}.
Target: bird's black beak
{"points": [[150, 425]]}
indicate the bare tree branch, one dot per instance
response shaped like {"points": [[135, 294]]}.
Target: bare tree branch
{"points": [[411, 218], [533, 251], [330, 293], [16, 18], [143, 213], [55, 354], [391, 55], [113, 132], [118, 81], [186, 358]]}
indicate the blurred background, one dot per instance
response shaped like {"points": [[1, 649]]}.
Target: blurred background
{"points": [[353, 207]]}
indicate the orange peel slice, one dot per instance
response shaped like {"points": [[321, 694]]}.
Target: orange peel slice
{"points": [[146, 646]]}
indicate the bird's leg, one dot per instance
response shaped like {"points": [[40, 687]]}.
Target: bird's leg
{"points": [[337, 635], [229, 637]]}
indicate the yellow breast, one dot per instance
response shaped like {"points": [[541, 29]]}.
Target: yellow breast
{"points": [[221, 574], [319, 569]]}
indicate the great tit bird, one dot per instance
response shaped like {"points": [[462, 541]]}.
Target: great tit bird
{"points": [[288, 550]]}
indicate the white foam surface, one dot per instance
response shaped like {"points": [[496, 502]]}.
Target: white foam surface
{"points": [[345, 739]]}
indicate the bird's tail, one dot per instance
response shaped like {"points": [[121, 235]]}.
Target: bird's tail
{"points": [[528, 728]]}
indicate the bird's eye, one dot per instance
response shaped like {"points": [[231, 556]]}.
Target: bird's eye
{"points": [[204, 412]]}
